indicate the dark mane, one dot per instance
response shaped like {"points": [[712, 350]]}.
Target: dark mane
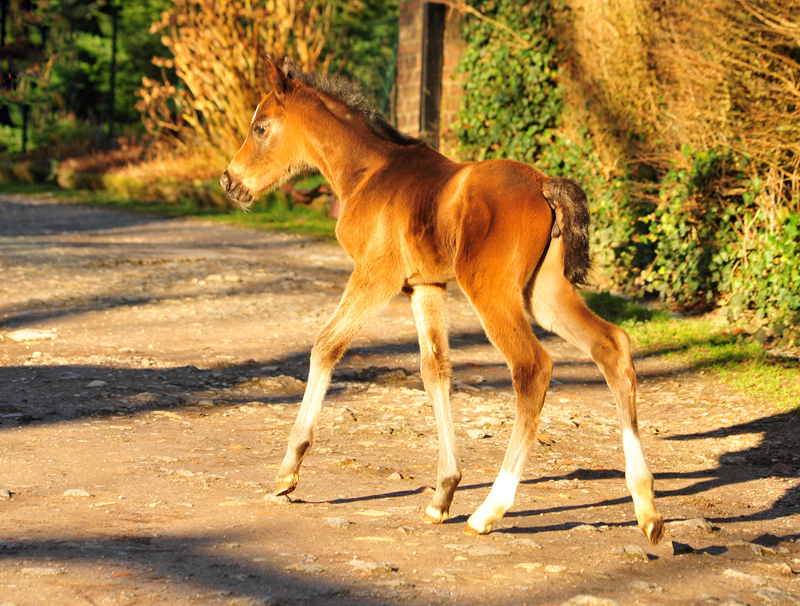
{"points": [[350, 94]]}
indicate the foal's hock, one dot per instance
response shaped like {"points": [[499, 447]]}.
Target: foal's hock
{"points": [[412, 220]]}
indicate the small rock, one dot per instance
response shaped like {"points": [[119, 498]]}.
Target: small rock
{"points": [[441, 573], [340, 522], [773, 595], [31, 334], [372, 567], [587, 528], [278, 499], [735, 574], [784, 569], [648, 587], [490, 421], [97, 383], [589, 600], [399, 475], [555, 569], [757, 549], [525, 543], [528, 566], [478, 434], [634, 552], [77, 492], [485, 550], [306, 568], [249, 602], [692, 524], [41, 571], [5, 495]]}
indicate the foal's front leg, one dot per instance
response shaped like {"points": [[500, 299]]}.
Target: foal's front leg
{"points": [[362, 298], [428, 303]]}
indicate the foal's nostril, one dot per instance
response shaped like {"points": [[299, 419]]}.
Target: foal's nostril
{"points": [[225, 180]]}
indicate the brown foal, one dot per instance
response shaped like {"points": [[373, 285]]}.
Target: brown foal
{"points": [[412, 220]]}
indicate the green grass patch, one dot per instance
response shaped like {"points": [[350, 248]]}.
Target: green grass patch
{"points": [[272, 212], [702, 344]]}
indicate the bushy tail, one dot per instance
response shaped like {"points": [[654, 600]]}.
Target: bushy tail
{"points": [[570, 199]]}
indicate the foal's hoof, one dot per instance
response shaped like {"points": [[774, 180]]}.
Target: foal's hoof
{"points": [[286, 485], [474, 527], [654, 529], [434, 516]]}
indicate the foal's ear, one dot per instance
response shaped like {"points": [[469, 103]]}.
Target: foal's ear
{"points": [[276, 79], [288, 67]]}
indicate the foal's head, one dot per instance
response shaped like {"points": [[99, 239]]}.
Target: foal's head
{"points": [[273, 150], [277, 144]]}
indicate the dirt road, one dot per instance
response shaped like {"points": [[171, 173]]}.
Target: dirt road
{"points": [[150, 370]]}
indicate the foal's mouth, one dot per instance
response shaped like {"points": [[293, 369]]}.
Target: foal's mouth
{"points": [[235, 189]]}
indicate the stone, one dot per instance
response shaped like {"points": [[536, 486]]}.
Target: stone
{"points": [[647, 587], [97, 383], [587, 528], [634, 552], [441, 573], [31, 334], [41, 571], [478, 434], [371, 567], [5, 495], [589, 600], [306, 568], [691, 524], [489, 421], [77, 492], [338, 522], [555, 569], [773, 595], [525, 543], [277, 499], [484, 550], [528, 566], [735, 574]]}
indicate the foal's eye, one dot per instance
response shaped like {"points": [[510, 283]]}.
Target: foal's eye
{"points": [[260, 129]]}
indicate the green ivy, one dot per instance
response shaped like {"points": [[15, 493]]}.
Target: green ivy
{"points": [[678, 234], [511, 93]]}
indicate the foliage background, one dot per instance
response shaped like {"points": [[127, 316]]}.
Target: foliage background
{"points": [[682, 122]]}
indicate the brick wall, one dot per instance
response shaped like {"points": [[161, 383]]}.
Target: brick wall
{"points": [[452, 90], [409, 66], [409, 74]]}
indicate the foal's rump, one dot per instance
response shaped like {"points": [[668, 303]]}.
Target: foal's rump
{"points": [[513, 211]]}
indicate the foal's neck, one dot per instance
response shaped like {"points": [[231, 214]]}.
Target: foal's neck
{"points": [[342, 146]]}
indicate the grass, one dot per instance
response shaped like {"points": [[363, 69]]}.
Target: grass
{"points": [[271, 213], [701, 343]]}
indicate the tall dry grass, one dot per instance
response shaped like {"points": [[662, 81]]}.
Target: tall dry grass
{"points": [[664, 75], [219, 49]]}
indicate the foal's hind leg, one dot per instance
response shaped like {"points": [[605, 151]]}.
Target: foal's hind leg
{"points": [[428, 303], [362, 298], [499, 306], [557, 306]]}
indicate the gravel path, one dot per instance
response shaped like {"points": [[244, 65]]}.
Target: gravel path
{"points": [[150, 370]]}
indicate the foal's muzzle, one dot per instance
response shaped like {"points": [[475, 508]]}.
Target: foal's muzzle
{"points": [[235, 189]]}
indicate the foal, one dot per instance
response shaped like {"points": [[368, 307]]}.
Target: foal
{"points": [[412, 220]]}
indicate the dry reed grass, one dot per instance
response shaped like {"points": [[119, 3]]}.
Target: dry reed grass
{"points": [[661, 76], [219, 49]]}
